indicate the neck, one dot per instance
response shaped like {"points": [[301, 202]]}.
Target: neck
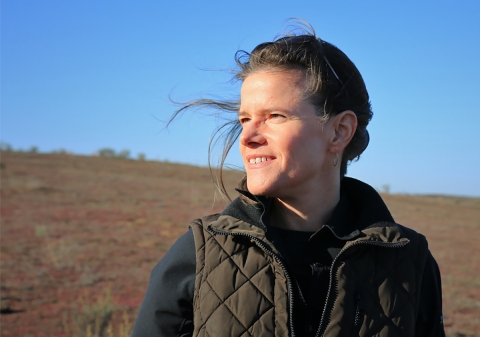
{"points": [[306, 213]]}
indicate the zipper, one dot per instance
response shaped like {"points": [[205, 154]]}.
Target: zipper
{"points": [[358, 243], [269, 251], [359, 314]]}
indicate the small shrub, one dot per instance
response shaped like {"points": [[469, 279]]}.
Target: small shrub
{"points": [[60, 252], [60, 151], [41, 231], [106, 152], [33, 149], [110, 153], [94, 319], [124, 154], [5, 147]]}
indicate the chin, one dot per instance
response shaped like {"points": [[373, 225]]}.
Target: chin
{"points": [[260, 188]]}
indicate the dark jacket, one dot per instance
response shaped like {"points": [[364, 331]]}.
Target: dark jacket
{"points": [[356, 296]]}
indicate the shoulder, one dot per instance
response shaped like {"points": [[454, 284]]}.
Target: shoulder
{"points": [[415, 237], [418, 250], [204, 221], [181, 255], [198, 229]]}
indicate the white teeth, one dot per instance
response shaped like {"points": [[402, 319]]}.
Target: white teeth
{"points": [[258, 160]]}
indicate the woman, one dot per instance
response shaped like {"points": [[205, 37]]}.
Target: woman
{"points": [[303, 251]]}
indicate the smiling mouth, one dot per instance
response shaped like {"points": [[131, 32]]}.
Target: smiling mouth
{"points": [[258, 160]]}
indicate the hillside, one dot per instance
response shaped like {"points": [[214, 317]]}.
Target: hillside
{"points": [[80, 235]]}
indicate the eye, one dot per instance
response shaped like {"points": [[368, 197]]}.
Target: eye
{"points": [[243, 120], [276, 116]]}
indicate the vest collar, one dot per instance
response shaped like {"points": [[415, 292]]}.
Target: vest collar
{"points": [[360, 213]]}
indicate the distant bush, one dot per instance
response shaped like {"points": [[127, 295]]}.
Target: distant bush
{"points": [[141, 156], [106, 152], [110, 153], [60, 151], [5, 146], [124, 154]]}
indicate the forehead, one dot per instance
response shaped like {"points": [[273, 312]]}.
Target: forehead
{"points": [[273, 86], [291, 77]]}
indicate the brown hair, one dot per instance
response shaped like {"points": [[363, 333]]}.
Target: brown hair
{"points": [[334, 85]]}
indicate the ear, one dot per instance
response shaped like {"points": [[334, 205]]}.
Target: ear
{"points": [[344, 125]]}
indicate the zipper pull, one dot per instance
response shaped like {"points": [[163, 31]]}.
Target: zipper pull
{"points": [[359, 314]]}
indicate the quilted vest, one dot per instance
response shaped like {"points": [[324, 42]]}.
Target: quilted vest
{"points": [[242, 287]]}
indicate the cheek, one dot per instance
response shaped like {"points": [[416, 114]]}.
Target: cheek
{"points": [[295, 144], [307, 149]]}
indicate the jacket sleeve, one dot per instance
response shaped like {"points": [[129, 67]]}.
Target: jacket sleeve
{"points": [[167, 308], [430, 316]]}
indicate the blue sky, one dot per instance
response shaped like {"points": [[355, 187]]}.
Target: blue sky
{"points": [[84, 75]]}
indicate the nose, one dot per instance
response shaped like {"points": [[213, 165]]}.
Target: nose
{"points": [[252, 135]]}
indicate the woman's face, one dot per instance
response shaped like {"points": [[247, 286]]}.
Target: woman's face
{"points": [[282, 144]]}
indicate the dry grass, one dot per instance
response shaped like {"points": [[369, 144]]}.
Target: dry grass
{"points": [[93, 318]]}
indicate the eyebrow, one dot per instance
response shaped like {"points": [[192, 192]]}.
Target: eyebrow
{"points": [[265, 111], [242, 114]]}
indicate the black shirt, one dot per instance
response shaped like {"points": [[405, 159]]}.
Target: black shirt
{"points": [[309, 256]]}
